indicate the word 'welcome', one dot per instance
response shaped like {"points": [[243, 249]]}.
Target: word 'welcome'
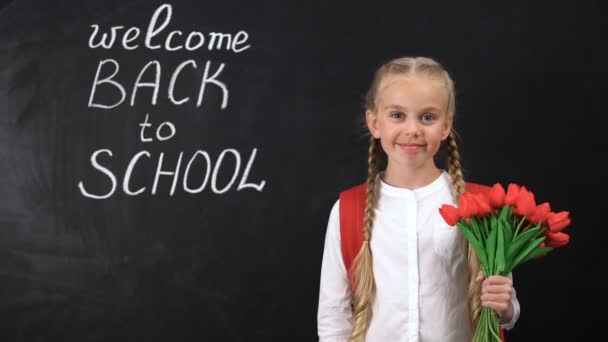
{"points": [[173, 41]]}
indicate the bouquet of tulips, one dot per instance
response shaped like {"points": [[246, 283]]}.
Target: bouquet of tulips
{"points": [[506, 229]]}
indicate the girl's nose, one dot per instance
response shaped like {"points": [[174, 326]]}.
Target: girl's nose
{"points": [[411, 128]]}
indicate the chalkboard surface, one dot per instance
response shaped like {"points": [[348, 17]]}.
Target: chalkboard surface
{"points": [[167, 168]]}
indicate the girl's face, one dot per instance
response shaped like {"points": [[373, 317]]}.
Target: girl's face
{"points": [[411, 120]]}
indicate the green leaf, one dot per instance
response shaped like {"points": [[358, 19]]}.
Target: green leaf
{"points": [[537, 252], [486, 226], [493, 220], [477, 246], [475, 229], [521, 257], [508, 230], [491, 248], [483, 229], [520, 241], [500, 249], [463, 224], [505, 212]]}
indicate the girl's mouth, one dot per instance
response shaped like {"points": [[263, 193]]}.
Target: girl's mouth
{"points": [[411, 147]]}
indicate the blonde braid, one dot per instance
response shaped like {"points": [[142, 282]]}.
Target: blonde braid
{"points": [[454, 166], [458, 187], [364, 275]]}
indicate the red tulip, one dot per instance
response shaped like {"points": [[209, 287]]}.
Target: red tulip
{"points": [[558, 221], [497, 196], [512, 192], [557, 240], [540, 214], [524, 203], [483, 204], [468, 205], [450, 214]]}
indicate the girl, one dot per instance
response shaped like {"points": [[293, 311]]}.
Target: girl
{"points": [[392, 269]]}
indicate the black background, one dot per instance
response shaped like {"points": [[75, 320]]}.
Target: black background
{"points": [[244, 265]]}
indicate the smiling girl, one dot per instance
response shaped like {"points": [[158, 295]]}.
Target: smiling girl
{"points": [[392, 269]]}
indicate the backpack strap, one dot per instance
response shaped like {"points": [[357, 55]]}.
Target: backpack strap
{"points": [[477, 188], [352, 213]]}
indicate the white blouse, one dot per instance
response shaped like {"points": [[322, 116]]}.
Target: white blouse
{"points": [[420, 271]]}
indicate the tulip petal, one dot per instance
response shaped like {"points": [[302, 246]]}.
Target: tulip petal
{"points": [[497, 196], [557, 240], [558, 221], [450, 214], [512, 192]]}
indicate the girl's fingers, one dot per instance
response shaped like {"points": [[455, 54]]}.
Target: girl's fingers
{"points": [[498, 280], [499, 307], [506, 289], [496, 297]]}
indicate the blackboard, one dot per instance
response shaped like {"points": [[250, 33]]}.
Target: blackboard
{"points": [[167, 168]]}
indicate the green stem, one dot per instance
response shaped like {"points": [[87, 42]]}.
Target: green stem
{"points": [[494, 326], [488, 328], [519, 226]]}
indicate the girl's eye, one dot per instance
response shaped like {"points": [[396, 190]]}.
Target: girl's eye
{"points": [[428, 117], [396, 115]]}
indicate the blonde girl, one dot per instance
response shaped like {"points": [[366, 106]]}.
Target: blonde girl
{"points": [[413, 278]]}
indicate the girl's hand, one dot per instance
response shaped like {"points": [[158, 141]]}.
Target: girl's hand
{"points": [[496, 292]]}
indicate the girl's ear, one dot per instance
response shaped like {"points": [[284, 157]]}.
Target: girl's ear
{"points": [[372, 123], [448, 129]]}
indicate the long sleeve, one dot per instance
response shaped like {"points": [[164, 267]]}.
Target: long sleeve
{"points": [[334, 319]]}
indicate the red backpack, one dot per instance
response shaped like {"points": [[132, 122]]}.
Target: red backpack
{"points": [[352, 212]]}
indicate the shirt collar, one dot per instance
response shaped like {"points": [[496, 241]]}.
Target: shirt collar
{"points": [[424, 191]]}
